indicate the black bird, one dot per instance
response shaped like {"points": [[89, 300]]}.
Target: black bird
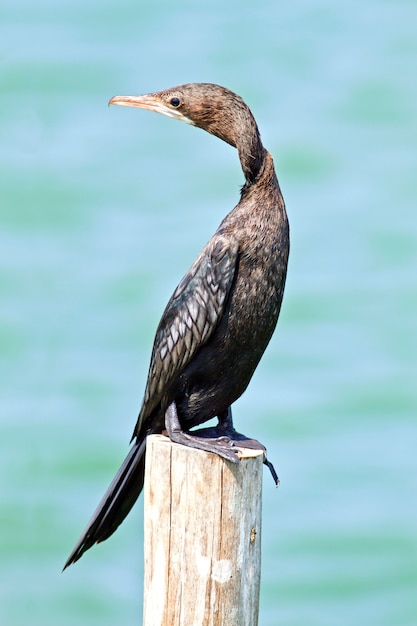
{"points": [[221, 316]]}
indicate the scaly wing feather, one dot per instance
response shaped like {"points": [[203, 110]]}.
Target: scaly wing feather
{"points": [[189, 319]]}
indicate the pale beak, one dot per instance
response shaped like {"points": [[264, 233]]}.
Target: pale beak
{"points": [[150, 102]]}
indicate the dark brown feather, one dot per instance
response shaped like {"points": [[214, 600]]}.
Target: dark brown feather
{"points": [[221, 317]]}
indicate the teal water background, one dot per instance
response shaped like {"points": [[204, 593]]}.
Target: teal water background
{"points": [[103, 210]]}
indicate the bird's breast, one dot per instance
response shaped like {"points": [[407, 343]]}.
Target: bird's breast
{"points": [[222, 369]]}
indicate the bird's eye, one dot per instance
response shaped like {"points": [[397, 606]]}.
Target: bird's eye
{"points": [[175, 102]]}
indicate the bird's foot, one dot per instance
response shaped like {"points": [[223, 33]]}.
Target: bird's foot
{"points": [[217, 443], [272, 470], [222, 439], [220, 445], [228, 436]]}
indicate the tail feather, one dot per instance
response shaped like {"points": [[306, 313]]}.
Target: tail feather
{"points": [[116, 503]]}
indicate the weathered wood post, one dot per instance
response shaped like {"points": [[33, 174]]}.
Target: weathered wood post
{"points": [[202, 537]]}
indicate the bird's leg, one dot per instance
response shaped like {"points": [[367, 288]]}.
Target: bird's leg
{"points": [[226, 420], [226, 431], [219, 445]]}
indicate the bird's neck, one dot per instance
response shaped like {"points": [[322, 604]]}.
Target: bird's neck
{"points": [[247, 139], [237, 127], [231, 120], [251, 154], [264, 178]]}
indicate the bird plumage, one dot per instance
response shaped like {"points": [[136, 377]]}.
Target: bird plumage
{"points": [[221, 316]]}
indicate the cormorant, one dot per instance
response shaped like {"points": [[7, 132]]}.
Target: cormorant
{"points": [[221, 316]]}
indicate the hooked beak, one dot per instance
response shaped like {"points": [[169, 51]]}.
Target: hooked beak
{"points": [[150, 102]]}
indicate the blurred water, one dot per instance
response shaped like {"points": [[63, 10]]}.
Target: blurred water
{"points": [[103, 210]]}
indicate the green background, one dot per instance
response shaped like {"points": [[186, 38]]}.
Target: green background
{"points": [[103, 210]]}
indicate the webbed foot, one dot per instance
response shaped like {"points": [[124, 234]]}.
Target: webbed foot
{"points": [[222, 439]]}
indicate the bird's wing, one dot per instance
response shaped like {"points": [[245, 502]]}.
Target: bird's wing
{"points": [[190, 317]]}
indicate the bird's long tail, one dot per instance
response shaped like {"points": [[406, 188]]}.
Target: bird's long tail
{"points": [[116, 503]]}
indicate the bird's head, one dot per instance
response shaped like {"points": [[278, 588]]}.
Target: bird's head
{"points": [[211, 107]]}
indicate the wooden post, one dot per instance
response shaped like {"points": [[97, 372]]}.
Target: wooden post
{"points": [[202, 537]]}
